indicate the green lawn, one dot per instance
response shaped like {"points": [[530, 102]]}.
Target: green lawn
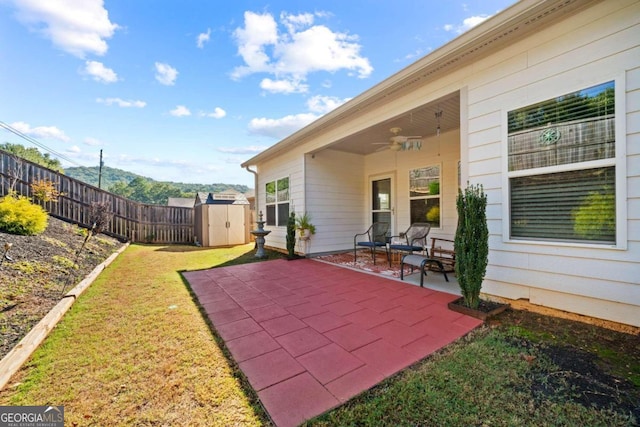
{"points": [[134, 349]]}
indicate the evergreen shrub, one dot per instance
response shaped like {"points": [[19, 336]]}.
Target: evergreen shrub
{"points": [[18, 215]]}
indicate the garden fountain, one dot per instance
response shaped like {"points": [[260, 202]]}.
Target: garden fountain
{"points": [[259, 235]]}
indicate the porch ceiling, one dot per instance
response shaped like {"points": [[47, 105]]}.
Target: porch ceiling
{"points": [[420, 121]]}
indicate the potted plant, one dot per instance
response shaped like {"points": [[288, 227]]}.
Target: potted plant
{"points": [[304, 226], [472, 253]]}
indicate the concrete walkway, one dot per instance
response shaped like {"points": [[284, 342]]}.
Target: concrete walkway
{"points": [[309, 335]]}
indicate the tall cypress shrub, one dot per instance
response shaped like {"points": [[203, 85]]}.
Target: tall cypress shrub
{"points": [[291, 235], [471, 243]]}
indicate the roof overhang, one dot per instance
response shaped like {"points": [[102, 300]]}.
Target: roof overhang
{"points": [[506, 27]]}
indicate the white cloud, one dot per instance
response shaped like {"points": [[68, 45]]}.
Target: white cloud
{"points": [[253, 149], [166, 74], [100, 73], [121, 102], [296, 22], [73, 149], [280, 128], [284, 86], [92, 142], [259, 31], [467, 24], [292, 54], [180, 111], [203, 38], [217, 113], [78, 27], [46, 132], [323, 104]]}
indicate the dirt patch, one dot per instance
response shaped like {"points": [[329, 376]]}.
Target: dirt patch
{"points": [[578, 361], [37, 269]]}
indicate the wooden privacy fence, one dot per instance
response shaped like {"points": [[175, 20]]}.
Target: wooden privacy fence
{"points": [[133, 221]]}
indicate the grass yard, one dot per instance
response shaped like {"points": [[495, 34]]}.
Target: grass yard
{"points": [[135, 350]]}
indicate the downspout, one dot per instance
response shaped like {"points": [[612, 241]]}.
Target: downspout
{"points": [[255, 187]]}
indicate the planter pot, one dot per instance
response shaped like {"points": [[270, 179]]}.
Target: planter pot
{"points": [[486, 309], [304, 234]]}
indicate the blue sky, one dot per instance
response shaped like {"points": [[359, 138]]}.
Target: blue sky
{"points": [[187, 90]]}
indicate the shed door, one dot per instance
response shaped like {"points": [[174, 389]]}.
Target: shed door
{"points": [[235, 221], [218, 235]]}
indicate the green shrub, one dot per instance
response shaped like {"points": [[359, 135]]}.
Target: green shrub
{"points": [[471, 243], [19, 216]]}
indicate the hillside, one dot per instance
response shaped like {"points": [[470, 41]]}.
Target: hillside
{"points": [[111, 176]]}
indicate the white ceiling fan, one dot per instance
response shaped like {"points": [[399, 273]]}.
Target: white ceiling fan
{"points": [[401, 142]]}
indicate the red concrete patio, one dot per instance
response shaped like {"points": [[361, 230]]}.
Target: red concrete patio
{"points": [[310, 335]]}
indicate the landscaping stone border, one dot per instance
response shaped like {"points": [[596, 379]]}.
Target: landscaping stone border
{"points": [[14, 360]]}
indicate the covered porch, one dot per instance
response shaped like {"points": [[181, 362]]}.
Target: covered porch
{"points": [[401, 170]]}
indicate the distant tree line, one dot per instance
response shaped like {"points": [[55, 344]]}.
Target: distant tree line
{"points": [[32, 154], [121, 182]]}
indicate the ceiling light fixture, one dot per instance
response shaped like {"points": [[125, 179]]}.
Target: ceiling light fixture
{"points": [[438, 115]]}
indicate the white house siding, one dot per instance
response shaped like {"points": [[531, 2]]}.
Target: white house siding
{"points": [[334, 189], [290, 165], [597, 45]]}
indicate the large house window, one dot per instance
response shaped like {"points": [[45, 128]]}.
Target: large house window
{"points": [[562, 168], [424, 195], [277, 201]]}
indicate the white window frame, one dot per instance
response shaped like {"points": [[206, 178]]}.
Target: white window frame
{"points": [[619, 162], [276, 203], [430, 196]]}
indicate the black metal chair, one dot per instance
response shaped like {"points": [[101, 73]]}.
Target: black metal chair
{"points": [[376, 238], [413, 240]]}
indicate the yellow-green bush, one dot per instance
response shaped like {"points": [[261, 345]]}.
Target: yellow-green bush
{"points": [[19, 216]]}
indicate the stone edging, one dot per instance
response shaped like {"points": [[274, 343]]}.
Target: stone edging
{"points": [[14, 360]]}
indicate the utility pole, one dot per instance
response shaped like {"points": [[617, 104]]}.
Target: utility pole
{"points": [[100, 171]]}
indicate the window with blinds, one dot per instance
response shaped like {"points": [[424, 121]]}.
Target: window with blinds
{"points": [[562, 168]]}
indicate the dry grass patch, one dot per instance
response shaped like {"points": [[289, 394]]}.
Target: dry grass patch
{"points": [[134, 349]]}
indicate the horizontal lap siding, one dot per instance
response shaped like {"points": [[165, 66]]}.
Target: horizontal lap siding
{"points": [[290, 165], [334, 193], [597, 45]]}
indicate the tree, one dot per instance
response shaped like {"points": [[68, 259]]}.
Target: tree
{"points": [[144, 191], [32, 154]]}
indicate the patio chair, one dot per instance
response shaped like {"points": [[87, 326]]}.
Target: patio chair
{"points": [[412, 240], [376, 237]]}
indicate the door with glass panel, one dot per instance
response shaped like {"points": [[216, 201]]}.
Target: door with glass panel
{"points": [[382, 209]]}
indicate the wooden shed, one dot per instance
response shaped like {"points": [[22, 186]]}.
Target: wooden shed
{"points": [[222, 219]]}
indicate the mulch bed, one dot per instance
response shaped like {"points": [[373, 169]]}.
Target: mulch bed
{"points": [[37, 271]]}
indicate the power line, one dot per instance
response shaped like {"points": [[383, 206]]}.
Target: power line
{"points": [[37, 143]]}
